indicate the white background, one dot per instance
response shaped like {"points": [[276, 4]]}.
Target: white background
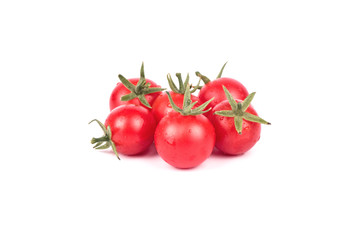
{"points": [[59, 61]]}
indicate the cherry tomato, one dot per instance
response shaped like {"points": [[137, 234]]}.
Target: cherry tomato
{"points": [[228, 140], [128, 128], [237, 124], [184, 141], [185, 138]]}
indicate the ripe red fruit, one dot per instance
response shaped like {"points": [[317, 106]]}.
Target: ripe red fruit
{"points": [[128, 129], [184, 141], [237, 124], [185, 138]]}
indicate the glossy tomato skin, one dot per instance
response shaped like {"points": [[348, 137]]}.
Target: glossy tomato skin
{"points": [[227, 138], [184, 141], [120, 90], [132, 128], [215, 89], [161, 106]]}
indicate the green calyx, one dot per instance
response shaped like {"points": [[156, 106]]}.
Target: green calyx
{"points": [[238, 111], [140, 90], [188, 104], [182, 85], [105, 141], [206, 80]]}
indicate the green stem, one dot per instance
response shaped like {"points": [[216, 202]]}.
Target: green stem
{"points": [[204, 78]]}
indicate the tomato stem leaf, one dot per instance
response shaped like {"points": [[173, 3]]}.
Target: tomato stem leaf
{"points": [[142, 88], [225, 113], [174, 106], [126, 83], [230, 98], [141, 81], [188, 104], [153, 90], [247, 101], [171, 84], [129, 97], [182, 85], [187, 98], [104, 141], [144, 101], [180, 81], [238, 111], [186, 82], [203, 106], [254, 118], [221, 72], [238, 122]]}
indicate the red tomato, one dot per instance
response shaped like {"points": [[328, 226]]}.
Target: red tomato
{"points": [[215, 89], [161, 106], [120, 90], [184, 141], [131, 130], [228, 140]]}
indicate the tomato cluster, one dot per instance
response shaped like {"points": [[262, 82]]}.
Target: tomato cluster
{"points": [[184, 127]]}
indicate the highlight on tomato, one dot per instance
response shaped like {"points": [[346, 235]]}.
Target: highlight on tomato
{"points": [[237, 124], [161, 106], [214, 89], [128, 129], [185, 138], [137, 91]]}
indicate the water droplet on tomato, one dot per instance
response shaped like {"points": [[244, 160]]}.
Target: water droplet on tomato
{"points": [[170, 141]]}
